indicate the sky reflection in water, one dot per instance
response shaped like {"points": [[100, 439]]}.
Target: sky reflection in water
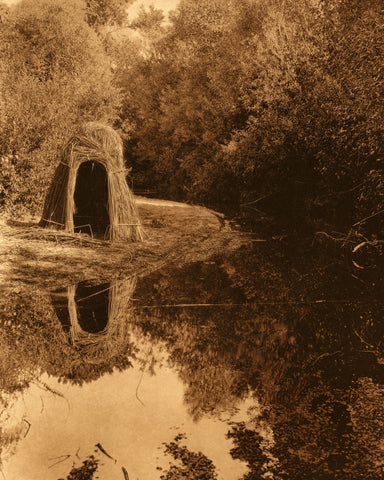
{"points": [[108, 412], [130, 413]]}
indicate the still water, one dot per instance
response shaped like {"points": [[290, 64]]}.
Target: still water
{"points": [[255, 365]]}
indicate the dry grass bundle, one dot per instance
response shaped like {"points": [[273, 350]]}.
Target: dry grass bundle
{"points": [[101, 346], [102, 146]]}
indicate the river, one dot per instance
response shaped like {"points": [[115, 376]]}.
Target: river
{"points": [[264, 363]]}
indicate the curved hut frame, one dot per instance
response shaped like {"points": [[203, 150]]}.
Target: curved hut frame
{"points": [[101, 145]]}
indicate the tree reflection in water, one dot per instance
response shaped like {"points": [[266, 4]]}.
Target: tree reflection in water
{"points": [[313, 369], [316, 366]]}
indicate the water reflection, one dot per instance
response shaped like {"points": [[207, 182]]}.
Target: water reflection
{"points": [[96, 318], [131, 412], [83, 304], [262, 378], [107, 412]]}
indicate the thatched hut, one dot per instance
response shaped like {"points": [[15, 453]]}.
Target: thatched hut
{"points": [[89, 192], [97, 319]]}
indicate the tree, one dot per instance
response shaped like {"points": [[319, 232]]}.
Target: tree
{"points": [[190, 88], [56, 75], [107, 12]]}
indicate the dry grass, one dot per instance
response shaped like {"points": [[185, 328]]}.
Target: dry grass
{"points": [[35, 258]]}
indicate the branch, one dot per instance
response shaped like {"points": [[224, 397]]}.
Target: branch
{"points": [[367, 218]]}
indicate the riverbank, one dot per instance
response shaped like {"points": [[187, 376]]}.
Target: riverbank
{"points": [[175, 233]]}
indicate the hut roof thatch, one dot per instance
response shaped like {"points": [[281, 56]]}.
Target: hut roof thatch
{"points": [[101, 145]]}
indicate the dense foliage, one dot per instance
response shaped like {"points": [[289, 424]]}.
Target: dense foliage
{"points": [[86, 471], [272, 107], [191, 465], [276, 103]]}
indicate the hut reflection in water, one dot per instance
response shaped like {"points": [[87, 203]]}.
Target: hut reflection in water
{"points": [[96, 319]]}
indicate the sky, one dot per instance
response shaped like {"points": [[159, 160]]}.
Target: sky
{"points": [[164, 5]]}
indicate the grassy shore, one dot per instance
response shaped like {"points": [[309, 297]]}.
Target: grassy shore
{"points": [[35, 258]]}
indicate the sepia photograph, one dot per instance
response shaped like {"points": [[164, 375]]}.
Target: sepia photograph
{"points": [[191, 239]]}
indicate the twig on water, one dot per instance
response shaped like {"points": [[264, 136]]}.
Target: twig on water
{"points": [[142, 376], [138, 386], [326, 354], [43, 386], [372, 348], [362, 244], [126, 476], [343, 239], [100, 447], [29, 426], [367, 218], [47, 388], [63, 458]]}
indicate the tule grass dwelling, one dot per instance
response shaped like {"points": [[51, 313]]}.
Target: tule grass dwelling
{"points": [[89, 191]]}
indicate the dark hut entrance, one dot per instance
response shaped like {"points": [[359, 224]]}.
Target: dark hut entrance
{"points": [[91, 199], [96, 318], [92, 307], [89, 191]]}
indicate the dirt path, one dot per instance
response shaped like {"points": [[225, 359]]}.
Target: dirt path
{"points": [[33, 258]]}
